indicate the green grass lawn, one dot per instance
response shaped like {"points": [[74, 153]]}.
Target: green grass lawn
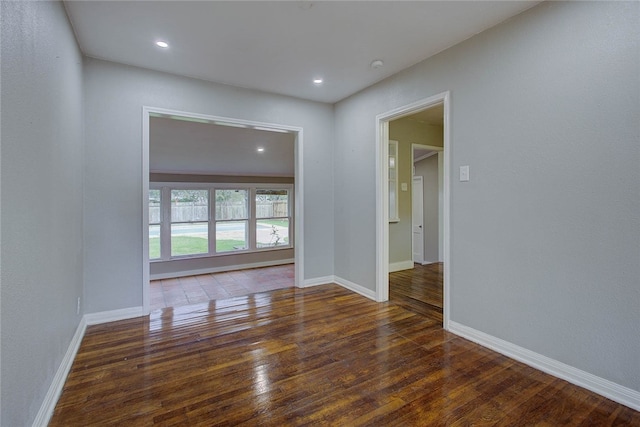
{"points": [[276, 222], [229, 245], [154, 247], [188, 245]]}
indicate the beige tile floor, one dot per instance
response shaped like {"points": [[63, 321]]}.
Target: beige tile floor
{"points": [[206, 287]]}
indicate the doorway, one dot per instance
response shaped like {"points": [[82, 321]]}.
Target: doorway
{"points": [[382, 195], [427, 196], [297, 199], [417, 219]]}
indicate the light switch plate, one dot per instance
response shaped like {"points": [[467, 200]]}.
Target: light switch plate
{"points": [[403, 186], [464, 173]]}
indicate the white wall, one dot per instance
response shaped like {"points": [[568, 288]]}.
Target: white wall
{"points": [[545, 248], [115, 95], [41, 181], [428, 170]]}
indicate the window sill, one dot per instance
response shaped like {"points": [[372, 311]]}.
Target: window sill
{"points": [[209, 255]]}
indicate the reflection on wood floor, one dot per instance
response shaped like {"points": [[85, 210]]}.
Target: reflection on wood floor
{"points": [[205, 287], [419, 289], [315, 356]]}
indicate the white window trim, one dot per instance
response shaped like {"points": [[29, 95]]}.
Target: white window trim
{"points": [[165, 222], [253, 227], [213, 221]]}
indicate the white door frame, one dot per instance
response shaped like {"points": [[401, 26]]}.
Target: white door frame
{"points": [[298, 187], [382, 195], [435, 148]]}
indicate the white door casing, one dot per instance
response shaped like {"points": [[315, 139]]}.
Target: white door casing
{"points": [[298, 188], [382, 196], [440, 206]]}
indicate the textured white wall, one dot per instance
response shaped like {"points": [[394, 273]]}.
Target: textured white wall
{"points": [[115, 95], [546, 235], [41, 266]]}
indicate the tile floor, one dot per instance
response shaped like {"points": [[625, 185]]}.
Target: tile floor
{"points": [[205, 287]]}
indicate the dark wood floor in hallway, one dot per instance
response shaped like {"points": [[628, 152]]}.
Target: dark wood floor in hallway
{"points": [[313, 356], [419, 289]]}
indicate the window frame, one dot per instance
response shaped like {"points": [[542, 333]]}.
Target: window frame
{"points": [[171, 222], [165, 217], [159, 224], [213, 221], [288, 217]]}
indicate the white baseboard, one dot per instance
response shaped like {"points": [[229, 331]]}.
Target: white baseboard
{"points": [[402, 265], [342, 282], [307, 283], [55, 389], [355, 287], [429, 262], [609, 389], [606, 388], [113, 315], [174, 274]]}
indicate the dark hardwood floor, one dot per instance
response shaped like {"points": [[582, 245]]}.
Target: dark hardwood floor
{"points": [[228, 284], [419, 289], [314, 356]]}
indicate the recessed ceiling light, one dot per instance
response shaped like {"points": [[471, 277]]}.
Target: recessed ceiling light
{"points": [[317, 81], [162, 44], [378, 63], [260, 149]]}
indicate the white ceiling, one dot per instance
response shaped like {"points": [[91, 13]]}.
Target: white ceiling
{"points": [[280, 46], [178, 146]]}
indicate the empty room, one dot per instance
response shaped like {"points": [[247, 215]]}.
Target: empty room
{"points": [[529, 177]]}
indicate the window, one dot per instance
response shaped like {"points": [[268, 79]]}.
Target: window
{"points": [[232, 218], [393, 181], [272, 218], [189, 222], [196, 220], [154, 224]]}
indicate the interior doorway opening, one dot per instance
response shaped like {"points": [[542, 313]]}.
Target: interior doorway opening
{"points": [[421, 130], [211, 214], [427, 198]]}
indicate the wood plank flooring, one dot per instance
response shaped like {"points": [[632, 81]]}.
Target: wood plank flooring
{"points": [[314, 356], [205, 287], [418, 289]]}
